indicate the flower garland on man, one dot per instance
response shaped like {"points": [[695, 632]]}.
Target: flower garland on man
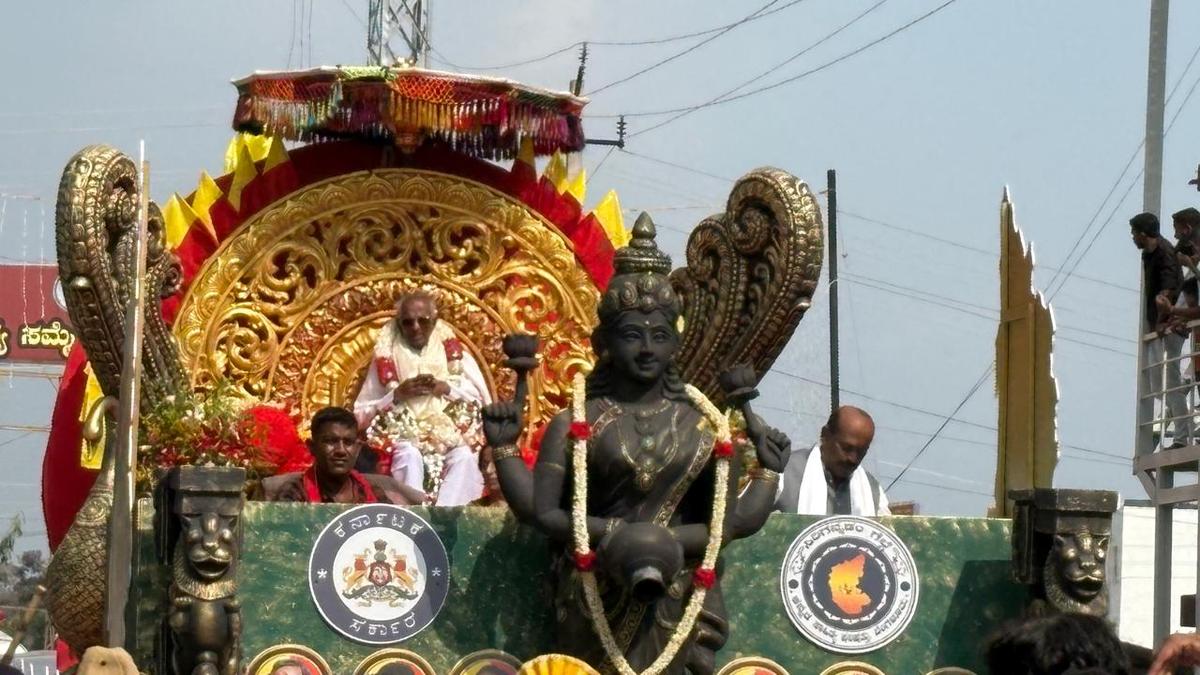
{"points": [[420, 404]]}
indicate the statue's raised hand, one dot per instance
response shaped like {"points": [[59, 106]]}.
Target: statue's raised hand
{"points": [[772, 446], [739, 384], [502, 423]]}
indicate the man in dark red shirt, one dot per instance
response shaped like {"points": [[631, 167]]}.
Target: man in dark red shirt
{"points": [[332, 478]]}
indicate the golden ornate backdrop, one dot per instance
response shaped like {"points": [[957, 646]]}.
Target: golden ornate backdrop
{"points": [[288, 308]]}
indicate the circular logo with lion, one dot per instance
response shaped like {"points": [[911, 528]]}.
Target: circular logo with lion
{"points": [[849, 584], [378, 574]]}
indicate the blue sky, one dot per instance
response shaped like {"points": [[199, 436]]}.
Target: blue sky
{"points": [[925, 130]]}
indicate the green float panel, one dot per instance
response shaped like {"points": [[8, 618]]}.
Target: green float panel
{"points": [[500, 595]]}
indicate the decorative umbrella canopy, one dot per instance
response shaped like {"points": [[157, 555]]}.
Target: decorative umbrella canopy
{"points": [[483, 117]]}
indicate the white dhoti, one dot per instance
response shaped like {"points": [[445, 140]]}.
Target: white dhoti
{"points": [[462, 481]]}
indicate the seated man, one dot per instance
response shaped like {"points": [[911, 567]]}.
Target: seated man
{"points": [[420, 401], [331, 478], [829, 480]]}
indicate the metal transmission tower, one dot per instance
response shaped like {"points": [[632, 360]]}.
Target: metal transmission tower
{"points": [[407, 20]]}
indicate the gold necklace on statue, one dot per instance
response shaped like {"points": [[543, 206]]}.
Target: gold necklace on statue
{"points": [[646, 460]]}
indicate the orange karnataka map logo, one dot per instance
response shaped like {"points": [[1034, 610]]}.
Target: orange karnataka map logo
{"points": [[849, 584], [843, 585]]}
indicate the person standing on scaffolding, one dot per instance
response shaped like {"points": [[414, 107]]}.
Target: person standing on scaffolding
{"points": [[1161, 282]]}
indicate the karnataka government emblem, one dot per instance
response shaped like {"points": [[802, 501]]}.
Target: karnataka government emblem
{"points": [[378, 574], [849, 584]]}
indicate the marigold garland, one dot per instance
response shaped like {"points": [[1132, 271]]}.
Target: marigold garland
{"points": [[704, 576]]}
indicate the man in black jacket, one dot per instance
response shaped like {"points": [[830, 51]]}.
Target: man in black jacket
{"points": [[1161, 281]]}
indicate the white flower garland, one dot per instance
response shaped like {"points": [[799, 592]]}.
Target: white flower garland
{"points": [[583, 548]]}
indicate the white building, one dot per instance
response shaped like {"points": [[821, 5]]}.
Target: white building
{"points": [[1131, 569]]}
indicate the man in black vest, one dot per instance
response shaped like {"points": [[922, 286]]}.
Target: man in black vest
{"points": [[1161, 281]]}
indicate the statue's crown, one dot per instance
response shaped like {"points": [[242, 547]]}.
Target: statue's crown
{"points": [[380, 544], [642, 254]]}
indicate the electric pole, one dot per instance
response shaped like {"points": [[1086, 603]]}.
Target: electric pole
{"points": [[408, 19]]}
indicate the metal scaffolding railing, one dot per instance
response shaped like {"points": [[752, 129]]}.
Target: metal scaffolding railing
{"points": [[1167, 447]]}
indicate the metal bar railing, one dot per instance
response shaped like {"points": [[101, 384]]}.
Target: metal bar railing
{"points": [[1182, 387]]}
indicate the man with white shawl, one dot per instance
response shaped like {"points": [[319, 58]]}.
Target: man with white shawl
{"points": [[421, 399], [829, 478]]}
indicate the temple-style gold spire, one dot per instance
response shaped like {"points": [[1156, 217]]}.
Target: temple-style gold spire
{"points": [[1027, 440]]}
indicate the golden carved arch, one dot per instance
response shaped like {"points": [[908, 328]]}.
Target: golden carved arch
{"points": [[288, 308]]}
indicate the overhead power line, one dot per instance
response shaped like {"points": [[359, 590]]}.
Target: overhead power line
{"points": [[929, 413], [794, 78], [1112, 190], [616, 43], [675, 165], [514, 64], [967, 247], [682, 53], [969, 308], [765, 73], [946, 422], [1078, 260]]}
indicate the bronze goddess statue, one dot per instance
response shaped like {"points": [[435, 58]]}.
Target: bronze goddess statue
{"points": [[657, 457]]}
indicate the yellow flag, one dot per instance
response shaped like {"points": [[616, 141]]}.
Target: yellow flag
{"points": [[578, 186], [173, 221], [276, 154], [556, 171], [191, 217], [207, 194], [231, 153], [243, 173], [525, 154], [257, 146], [608, 212], [178, 217], [90, 454]]}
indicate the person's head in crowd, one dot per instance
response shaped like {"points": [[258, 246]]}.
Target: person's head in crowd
{"points": [[1187, 226], [845, 440], [1062, 644], [334, 442], [416, 315], [1145, 229]]}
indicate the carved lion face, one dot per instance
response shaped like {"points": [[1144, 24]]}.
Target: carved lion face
{"points": [[209, 543], [1077, 562]]}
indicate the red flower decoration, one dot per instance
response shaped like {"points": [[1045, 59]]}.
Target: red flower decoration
{"points": [[454, 349], [277, 440], [580, 431], [530, 452], [704, 577], [584, 562], [723, 449]]}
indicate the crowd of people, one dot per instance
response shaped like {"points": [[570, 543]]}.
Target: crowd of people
{"points": [[1170, 303]]}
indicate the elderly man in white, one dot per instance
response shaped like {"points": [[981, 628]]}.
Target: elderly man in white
{"points": [[829, 479], [422, 397]]}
